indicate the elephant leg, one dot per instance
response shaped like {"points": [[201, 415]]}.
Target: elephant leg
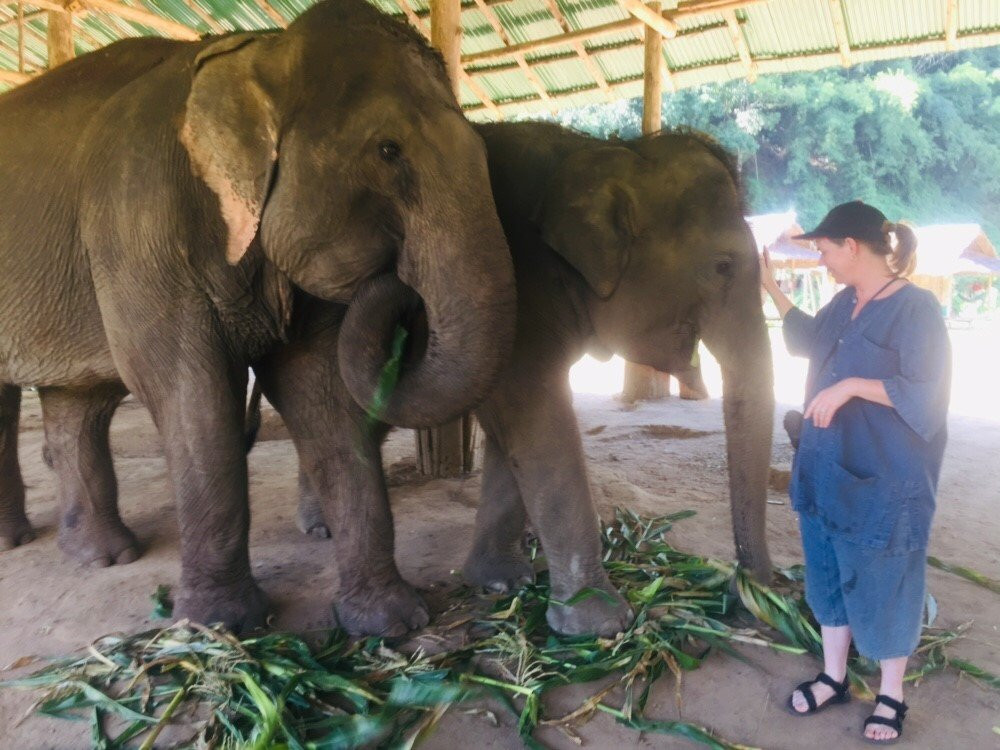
{"points": [[14, 527], [340, 455], [498, 560], [310, 519], [200, 416], [76, 436], [532, 417]]}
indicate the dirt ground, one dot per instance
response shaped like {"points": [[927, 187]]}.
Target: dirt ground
{"points": [[656, 458]]}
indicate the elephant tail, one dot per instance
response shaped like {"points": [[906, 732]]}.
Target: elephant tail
{"points": [[252, 422]]}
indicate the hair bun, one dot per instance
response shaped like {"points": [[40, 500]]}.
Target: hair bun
{"points": [[889, 226]]}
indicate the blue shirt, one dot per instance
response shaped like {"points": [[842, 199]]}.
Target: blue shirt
{"points": [[871, 476]]}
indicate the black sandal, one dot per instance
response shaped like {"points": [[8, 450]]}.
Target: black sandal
{"points": [[841, 694], [895, 723]]}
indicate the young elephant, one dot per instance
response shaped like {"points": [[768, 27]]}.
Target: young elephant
{"points": [[215, 200], [635, 247]]}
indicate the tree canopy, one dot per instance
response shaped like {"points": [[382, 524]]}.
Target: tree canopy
{"points": [[919, 138]]}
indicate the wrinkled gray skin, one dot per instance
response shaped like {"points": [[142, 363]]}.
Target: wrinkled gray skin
{"points": [[632, 247], [176, 211]]}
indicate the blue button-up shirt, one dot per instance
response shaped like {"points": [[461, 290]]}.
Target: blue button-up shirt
{"points": [[872, 474]]}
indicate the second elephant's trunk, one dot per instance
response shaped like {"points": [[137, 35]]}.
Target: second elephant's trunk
{"points": [[748, 410]]}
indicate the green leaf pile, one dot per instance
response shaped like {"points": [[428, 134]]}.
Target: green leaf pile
{"points": [[280, 691]]}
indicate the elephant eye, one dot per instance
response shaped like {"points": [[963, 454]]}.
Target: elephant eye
{"points": [[389, 151], [724, 268]]}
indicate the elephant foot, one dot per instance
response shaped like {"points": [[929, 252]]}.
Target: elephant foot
{"points": [[240, 608], [310, 520], [96, 542], [603, 614], [15, 533], [502, 573], [389, 609]]}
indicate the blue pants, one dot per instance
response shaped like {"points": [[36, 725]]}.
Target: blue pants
{"points": [[879, 593]]}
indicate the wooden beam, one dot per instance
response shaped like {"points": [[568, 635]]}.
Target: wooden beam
{"points": [[840, 29], [560, 40], [740, 42], [27, 17], [480, 92], [49, 5], [494, 21], [654, 19], [951, 25], [60, 38], [688, 8], [145, 17], [10, 76], [589, 63], [272, 13], [123, 27], [40, 61], [205, 17], [88, 38], [652, 85], [20, 36]]}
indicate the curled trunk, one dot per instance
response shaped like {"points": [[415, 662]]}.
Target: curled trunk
{"points": [[458, 305]]}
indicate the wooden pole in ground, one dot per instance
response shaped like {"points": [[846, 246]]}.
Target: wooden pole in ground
{"points": [[643, 383], [60, 37], [448, 450]]}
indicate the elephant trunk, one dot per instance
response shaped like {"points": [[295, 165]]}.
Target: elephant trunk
{"points": [[748, 410], [458, 304]]}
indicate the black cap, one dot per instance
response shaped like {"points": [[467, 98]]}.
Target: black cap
{"points": [[854, 219]]}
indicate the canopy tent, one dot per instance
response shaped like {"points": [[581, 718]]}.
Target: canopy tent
{"points": [[530, 55], [945, 251], [949, 249]]}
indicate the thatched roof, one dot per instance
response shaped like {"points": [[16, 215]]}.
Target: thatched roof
{"points": [[528, 55]]}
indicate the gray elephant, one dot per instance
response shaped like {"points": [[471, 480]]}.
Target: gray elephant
{"points": [[175, 211], [634, 247]]}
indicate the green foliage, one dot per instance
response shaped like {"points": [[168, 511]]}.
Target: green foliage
{"points": [[812, 140]]}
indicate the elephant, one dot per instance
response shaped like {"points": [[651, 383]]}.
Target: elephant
{"points": [[175, 212], [637, 247]]}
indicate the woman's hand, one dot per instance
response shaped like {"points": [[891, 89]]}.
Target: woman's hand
{"points": [[828, 401], [767, 281]]}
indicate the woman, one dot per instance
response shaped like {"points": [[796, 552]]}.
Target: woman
{"points": [[869, 455]]}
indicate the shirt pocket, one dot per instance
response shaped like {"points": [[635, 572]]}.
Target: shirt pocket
{"points": [[874, 360], [856, 508]]}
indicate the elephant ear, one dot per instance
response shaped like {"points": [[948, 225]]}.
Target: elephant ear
{"points": [[230, 132], [589, 216]]}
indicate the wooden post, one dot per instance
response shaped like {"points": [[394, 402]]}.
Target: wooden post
{"points": [[446, 36], [643, 383], [448, 450], [60, 37]]}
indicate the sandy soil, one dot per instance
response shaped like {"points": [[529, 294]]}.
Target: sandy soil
{"points": [[658, 457]]}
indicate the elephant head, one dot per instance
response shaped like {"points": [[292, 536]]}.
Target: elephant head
{"points": [[655, 227], [339, 145]]}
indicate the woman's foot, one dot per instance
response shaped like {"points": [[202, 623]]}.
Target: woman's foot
{"points": [[811, 697], [885, 725]]}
